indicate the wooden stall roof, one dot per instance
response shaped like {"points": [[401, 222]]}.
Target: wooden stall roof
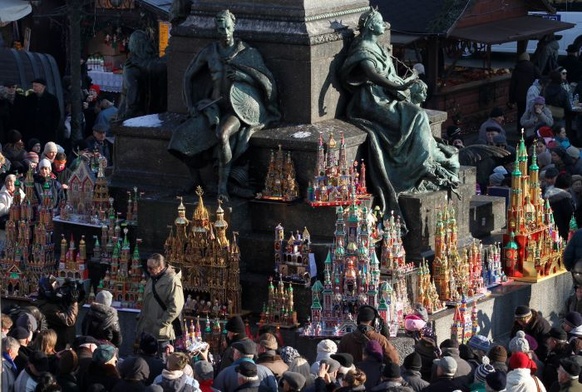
{"points": [[507, 30], [161, 8], [464, 19]]}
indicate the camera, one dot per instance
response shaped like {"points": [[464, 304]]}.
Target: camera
{"points": [[70, 291]]}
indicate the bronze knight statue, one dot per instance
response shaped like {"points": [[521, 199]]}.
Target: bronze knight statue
{"points": [[230, 94]]}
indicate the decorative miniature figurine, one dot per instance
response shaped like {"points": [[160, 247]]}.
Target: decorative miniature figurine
{"points": [[532, 246], [208, 259], [336, 182], [457, 271], [124, 277], [351, 275], [280, 183], [280, 308], [292, 256], [29, 252], [462, 327]]}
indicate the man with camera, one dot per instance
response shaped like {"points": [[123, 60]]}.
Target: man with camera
{"points": [[354, 342], [60, 305]]}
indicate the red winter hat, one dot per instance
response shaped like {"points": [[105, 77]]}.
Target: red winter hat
{"points": [[545, 131], [520, 360], [96, 88]]}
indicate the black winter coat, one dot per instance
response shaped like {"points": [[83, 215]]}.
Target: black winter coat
{"points": [[555, 95], [522, 77], [562, 207], [102, 323], [538, 328], [43, 117]]}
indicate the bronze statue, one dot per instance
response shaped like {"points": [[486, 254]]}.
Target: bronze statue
{"points": [[230, 94], [144, 88], [403, 155]]}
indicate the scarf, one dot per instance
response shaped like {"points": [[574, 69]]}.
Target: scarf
{"points": [[10, 361]]}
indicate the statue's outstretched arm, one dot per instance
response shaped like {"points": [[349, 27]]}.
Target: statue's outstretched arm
{"points": [[373, 76]]}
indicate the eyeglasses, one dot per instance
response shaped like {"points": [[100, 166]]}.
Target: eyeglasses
{"points": [[564, 73]]}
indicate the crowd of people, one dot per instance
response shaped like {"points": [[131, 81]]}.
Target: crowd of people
{"points": [[26, 145], [547, 112], [31, 119], [41, 352]]}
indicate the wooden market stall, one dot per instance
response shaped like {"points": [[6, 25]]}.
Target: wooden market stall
{"points": [[440, 30]]}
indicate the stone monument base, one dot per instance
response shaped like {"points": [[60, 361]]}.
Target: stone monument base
{"points": [[420, 213]]}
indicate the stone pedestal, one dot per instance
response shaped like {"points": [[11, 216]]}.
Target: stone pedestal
{"points": [[420, 211], [487, 214], [142, 158]]}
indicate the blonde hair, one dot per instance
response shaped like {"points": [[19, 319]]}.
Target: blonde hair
{"points": [[6, 321], [45, 341]]}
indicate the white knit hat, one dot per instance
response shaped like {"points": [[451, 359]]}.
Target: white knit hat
{"points": [[104, 297], [44, 163], [519, 343], [50, 147], [325, 348]]}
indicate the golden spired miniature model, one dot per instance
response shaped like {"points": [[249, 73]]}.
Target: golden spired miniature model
{"points": [[279, 309], [427, 292], [457, 270], [532, 246], [208, 259], [281, 183]]}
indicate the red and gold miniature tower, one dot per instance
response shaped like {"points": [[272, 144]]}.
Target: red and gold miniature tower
{"points": [[532, 246]]}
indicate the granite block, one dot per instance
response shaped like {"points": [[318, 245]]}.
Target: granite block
{"points": [[420, 210], [487, 214]]}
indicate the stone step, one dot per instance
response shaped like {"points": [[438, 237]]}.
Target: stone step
{"points": [[487, 214]]}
